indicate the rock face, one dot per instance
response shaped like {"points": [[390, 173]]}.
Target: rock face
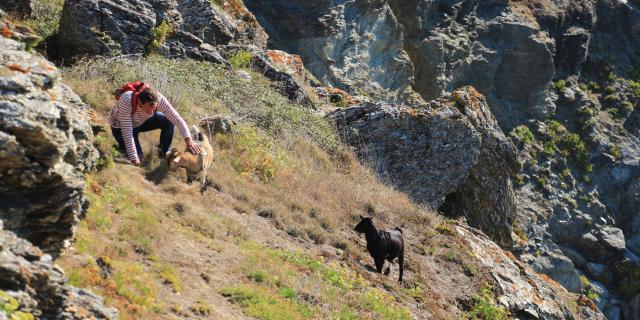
{"points": [[184, 28], [19, 7], [509, 50], [45, 145], [451, 154], [29, 277], [526, 294], [354, 45]]}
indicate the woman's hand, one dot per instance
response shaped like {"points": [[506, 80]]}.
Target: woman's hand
{"points": [[192, 146]]}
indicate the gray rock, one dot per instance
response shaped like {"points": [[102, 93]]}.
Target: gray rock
{"points": [[92, 27], [29, 276], [559, 268], [21, 8], [613, 313], [465, 160], [595, 269], [353, 45], [520, 288], [632, 309], [244, 75], [45, 146]]}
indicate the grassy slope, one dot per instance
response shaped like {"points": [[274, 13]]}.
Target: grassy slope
{"points": [[273, 239]]}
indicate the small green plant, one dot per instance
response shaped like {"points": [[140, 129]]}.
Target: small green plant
{"points": [[519, 179], [542, 182], [588, 289], [565, 173], [524, 134], [627, 106], [612, 98], [9, 307], [560, 84], [201, 307], [584, 198], [469, 269], [615, 152], [485, 308], [594, 86], [259, 276], [159, 36], [566, 198], [241, 59], [445, 229]]}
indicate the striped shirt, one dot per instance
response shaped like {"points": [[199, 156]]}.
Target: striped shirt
{"points": [[121, 118]]}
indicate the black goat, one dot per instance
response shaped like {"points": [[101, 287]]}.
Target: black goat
{"points": [[383, 244]]}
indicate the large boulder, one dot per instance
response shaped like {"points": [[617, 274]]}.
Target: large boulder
{"points": [[355, 45], [184, 28], [451, 155], [31, 283], [524, 292], [45, 145]]}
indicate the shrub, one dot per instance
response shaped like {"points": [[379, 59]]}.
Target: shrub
{"points": [[445, 229], [45, 17], [559, 85], [615, 152], [159, 36], [484, 307], [241, 59], [524, 134]]}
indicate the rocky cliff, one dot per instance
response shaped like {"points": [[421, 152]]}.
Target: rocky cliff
{"points": [[451, 154], [46, 144], [190, 28]]}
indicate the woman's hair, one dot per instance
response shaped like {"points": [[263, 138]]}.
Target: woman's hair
{"points": [[148, 95]]}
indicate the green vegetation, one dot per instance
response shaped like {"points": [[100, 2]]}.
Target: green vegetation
{"points": [[559, 85], [629, 287], [485, 308], [201, 308], [524, 134], [274, 293], [159, 36], [569, 145], [241, 59], [9, 306], [45, 17], [260, 303], [615, 152], [567, 198], [445, 229], [587, 289]]}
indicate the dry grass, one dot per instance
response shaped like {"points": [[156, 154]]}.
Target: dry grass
{"points": [[276, 184]]}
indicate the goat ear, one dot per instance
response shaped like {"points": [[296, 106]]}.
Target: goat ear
{"points": [[361, 217], [176, 159]]}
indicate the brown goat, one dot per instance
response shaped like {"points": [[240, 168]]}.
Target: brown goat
{"points": [[193, 163]]}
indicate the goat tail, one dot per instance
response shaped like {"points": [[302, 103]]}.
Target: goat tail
{"points": [[398, 228]]}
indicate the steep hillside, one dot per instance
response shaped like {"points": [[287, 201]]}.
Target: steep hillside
{"points": [[561, 77], [272, 235]]}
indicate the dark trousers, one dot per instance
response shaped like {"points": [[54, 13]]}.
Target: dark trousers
{"points": [[157, 121]]}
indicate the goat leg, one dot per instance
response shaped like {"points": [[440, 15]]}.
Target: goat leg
{"points": [[379, 265], [401, 263]]}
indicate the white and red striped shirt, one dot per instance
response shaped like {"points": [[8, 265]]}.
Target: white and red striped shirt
{"points": [[121, 118]]}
